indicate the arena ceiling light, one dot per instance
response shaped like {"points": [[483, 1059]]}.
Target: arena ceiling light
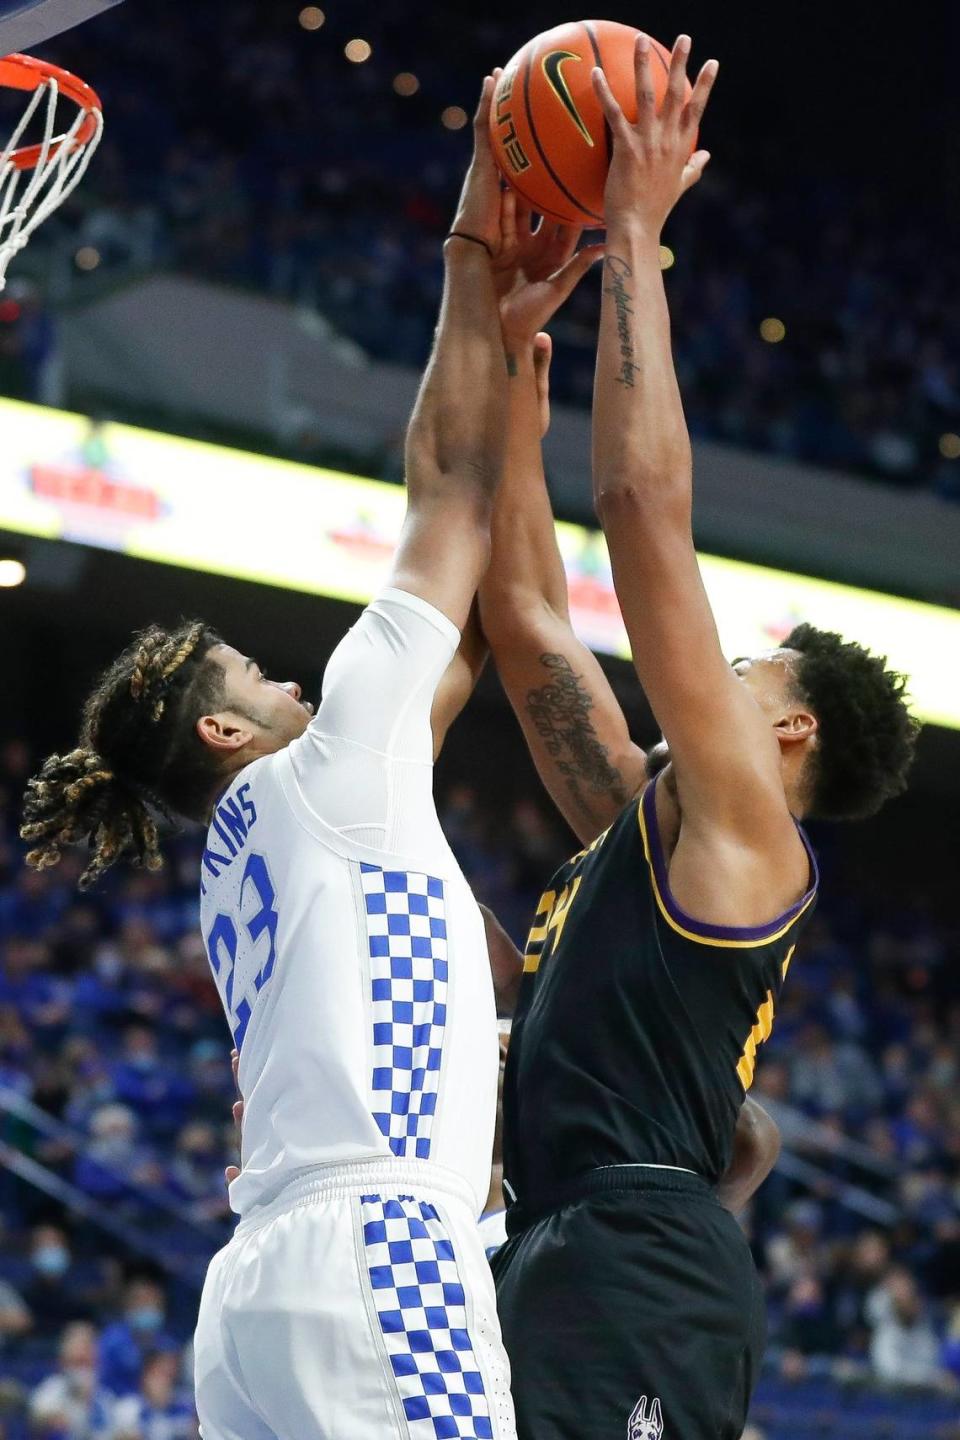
{"points": [[13, 572]]}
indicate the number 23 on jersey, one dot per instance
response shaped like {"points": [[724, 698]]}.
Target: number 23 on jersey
{"points": [[242, 947]]}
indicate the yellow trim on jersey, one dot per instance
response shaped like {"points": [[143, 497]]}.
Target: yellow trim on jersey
{"points": [[762, 1030], [691, 934]]}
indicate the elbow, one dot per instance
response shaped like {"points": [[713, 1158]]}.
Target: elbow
{"points": [[612, 493], [762, 1135], [659, 477], [640, 496], [756, 1150]]}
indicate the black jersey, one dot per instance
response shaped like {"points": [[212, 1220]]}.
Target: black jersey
{"points": [[636, 1032]]}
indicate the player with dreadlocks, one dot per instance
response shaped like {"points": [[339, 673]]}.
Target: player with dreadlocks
{"points": [[355, 1298], [138, 715]]}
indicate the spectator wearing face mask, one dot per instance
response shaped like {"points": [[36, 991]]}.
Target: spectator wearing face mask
{"points": [[114, 1157], [126, 1343], [54, 1292], [70, 1405], [162, 1409]]}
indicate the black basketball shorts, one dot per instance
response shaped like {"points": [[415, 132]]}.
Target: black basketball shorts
{"points": [[631, 1313]]}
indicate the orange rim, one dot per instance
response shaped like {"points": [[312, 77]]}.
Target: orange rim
{"points": [[24, 72]]}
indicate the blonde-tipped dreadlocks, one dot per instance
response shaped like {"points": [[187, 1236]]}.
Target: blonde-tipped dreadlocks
{"points": [[138, 752]]}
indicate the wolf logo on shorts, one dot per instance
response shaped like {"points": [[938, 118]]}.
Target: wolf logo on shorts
{"points": [[644, 1424]]}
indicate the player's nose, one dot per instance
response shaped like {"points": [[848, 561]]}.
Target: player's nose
{"points": [[292, 688]]}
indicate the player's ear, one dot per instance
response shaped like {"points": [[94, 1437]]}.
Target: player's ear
{"points": [[796, 725], [223, 733]]}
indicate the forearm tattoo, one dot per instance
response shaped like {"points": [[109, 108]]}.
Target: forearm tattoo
{"points": [[560, 711], [513, 369], [617, 273]]}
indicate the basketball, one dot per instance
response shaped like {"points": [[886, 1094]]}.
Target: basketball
{"points": [[548, 131]]}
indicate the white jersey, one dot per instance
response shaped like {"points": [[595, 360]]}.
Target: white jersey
{"points": [[347, 947]]}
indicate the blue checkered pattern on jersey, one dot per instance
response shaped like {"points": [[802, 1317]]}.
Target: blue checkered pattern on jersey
{"points": [[421, 1306], [407, 935]]}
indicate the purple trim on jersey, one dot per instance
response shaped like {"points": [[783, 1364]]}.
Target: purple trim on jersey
{"points": [[757, 933]]}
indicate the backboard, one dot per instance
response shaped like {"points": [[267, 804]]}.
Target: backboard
{"points": [[25, 24]]}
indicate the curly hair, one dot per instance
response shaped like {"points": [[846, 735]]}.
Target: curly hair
{"points": [[867, 735], [139, 754]]}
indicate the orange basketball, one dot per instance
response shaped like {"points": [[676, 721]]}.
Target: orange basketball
{"points": [[548, 131]]}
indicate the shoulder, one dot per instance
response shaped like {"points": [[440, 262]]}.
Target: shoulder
{"points": [[717, 877]]}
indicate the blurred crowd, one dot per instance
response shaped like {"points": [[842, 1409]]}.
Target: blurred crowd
{"points": [[244, 148], [111, 1027]]}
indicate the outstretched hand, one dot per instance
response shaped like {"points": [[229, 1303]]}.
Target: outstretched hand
{"points": [[478, 210], [652, 164], [536, 268]]}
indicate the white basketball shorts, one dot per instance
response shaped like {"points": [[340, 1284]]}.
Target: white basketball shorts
{"points": [[358, 1306]]}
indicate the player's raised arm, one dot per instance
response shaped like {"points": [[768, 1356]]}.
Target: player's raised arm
{"points": [[398, 679], [574, 727], [455, 440], [726, 751]]}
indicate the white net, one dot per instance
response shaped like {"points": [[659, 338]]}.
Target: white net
{"points": [[30, 196]]}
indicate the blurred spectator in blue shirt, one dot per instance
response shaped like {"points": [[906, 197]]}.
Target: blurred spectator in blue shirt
{"points": [[115, 1159], [161, 1410], [158, 1093], [125, 1345]]}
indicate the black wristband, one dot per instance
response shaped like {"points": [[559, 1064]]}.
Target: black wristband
{"points": [[474, 240]]}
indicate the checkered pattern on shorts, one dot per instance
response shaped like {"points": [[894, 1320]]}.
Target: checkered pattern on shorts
{"points": [[407, 934], [420, 1303]]}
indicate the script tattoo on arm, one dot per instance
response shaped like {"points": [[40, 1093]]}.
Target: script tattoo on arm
{"points": [[618, 272], [560, 711]]}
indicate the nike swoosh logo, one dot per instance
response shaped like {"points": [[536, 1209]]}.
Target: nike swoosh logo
{"points": [[553, 63]]}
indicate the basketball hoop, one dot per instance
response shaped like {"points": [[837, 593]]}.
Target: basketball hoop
{"points": [[35, 179]]}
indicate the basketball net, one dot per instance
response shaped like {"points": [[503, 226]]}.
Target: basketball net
{"points": [[36, 179]]}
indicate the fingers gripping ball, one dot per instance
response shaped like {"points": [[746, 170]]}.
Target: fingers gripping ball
{"points": [[548, 131]]}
